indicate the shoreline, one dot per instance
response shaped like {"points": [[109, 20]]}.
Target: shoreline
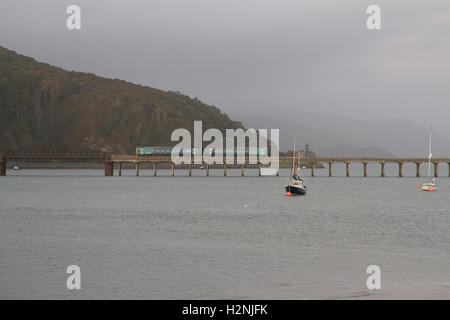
{"points": [[100, 165]]}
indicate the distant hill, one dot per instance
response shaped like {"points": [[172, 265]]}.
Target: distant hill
{"points": [[328, 132], [42, 106]]}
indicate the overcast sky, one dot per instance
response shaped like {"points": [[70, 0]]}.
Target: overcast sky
{"points": [[255, 56]]}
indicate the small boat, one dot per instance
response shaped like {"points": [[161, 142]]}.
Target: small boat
{"points": [[295, 185], [430, 184]]}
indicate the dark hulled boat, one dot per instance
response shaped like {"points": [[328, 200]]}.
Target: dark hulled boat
{"points": [[295, 185]]}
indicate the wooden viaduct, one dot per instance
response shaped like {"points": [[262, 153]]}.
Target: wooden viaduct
{"points": [[118, 160]]}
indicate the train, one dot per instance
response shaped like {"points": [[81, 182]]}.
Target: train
{"points": [[150, 151]]}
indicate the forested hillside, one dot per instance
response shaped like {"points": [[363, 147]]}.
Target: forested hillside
{"points": [[44, 107]]}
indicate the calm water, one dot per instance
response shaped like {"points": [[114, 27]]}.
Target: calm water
{"points": [[215, 237]]}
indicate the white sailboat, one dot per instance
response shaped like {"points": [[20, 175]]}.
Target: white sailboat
{"points": [[430, 184]]}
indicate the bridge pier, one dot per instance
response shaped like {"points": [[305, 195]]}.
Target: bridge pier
{"points": [[109, 169], [137, 169], [190, 170], [436, 166], [382, 169], [2, 167], [173, 169], [224, 169], [120, 168], [365, 169], [347, 169], [400, 169], [207, 170], [154, 169], [417, 169], [242, 170], [330, 170], [278, 170], [259, 169], [312, 169]]}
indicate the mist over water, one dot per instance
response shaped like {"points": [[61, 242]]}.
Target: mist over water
{"points": [[222, 237]]}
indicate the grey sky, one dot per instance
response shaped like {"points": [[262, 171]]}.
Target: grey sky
{"points": [[255, 56]]}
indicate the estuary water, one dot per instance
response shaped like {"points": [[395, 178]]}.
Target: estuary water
{"points": [[222, 237]]}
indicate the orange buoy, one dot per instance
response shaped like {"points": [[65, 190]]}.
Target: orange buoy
{"points": [[431, 190], [418, 186], [289, 194]]}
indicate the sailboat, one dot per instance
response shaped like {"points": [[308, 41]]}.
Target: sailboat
{"points": [[295, 185], [430, 184]]}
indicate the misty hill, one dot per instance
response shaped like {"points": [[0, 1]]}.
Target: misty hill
{"points": [[345, 150], [43, 106], [327, 133]]}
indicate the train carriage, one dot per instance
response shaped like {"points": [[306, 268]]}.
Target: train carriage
{"points": [[149, 151]]}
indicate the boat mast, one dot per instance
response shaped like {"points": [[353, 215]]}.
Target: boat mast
{"points": [[430, 155], [293, 158]]}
